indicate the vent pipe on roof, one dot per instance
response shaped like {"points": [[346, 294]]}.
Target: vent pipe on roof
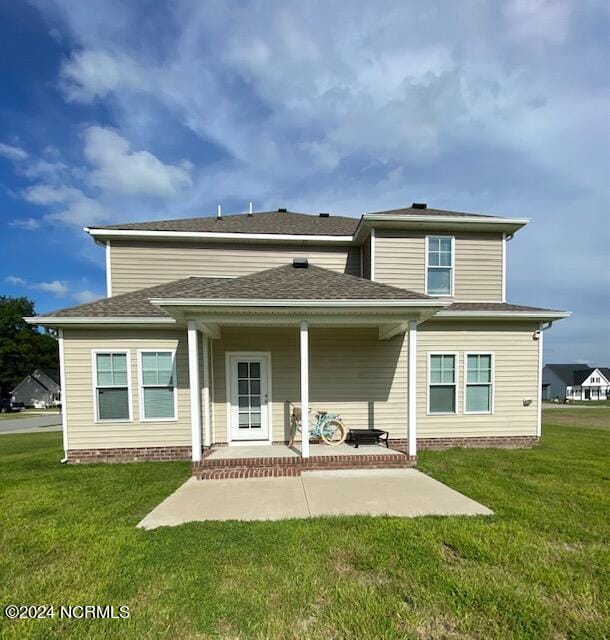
{"points": [[282, 210], [419, 205], [324, 215], [219, 213], [250, 211], [300, 263]]}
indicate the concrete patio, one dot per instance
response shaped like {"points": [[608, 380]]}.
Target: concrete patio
{"points": [[375, 492]]}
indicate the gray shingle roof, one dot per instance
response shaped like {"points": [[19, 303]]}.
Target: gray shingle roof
{"points": [[410, 211], [280, 283], [279, 222], [581, 375], [494, 306]]}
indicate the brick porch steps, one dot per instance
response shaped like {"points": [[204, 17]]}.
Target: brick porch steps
{"points": [[226, 468]]}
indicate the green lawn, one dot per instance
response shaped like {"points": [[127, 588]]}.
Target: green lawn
{"points": [[537, 569]]}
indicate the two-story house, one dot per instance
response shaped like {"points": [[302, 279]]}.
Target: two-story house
{"points": [[214, 326]]}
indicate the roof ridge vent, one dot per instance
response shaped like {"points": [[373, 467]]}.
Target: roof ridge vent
{"points": [[300, 263], [324, 214], [419, 205], [282, 210]]}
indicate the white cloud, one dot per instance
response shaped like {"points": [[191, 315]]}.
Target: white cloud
{"points": [[118, 169], [92, 74], [86, 296], [536, 22], [59, 288], [50, 194], [81, 210], [12, 153], [29, 224]]}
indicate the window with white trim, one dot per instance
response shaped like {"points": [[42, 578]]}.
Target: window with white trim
{"points": [[442, 397], [479, 384], [158, 391], [440, 266], [112, 386]]}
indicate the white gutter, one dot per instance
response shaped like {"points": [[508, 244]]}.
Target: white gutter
{"points": [[208, 302], [68, 320], [447, 313], [214, 235]]}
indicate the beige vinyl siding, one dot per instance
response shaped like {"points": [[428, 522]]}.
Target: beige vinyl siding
{"points": [[400, 260], [83, 431], [136, 265], [351, 372], [516, 378]]}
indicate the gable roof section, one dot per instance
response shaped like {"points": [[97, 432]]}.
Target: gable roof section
{"points": [[271, 222], [410, 211], [287, 225], [500, 310], [279, 283], [581, 375]]}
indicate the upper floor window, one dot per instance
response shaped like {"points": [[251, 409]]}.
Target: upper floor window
{"points": [[439, 265], [157, 385], [112, 386]]}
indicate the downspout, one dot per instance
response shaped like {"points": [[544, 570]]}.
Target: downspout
{"points": [[539, 335]]}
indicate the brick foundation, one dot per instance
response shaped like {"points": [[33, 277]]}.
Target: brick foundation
{"points": [[225, 468], [129, 454], [503, 442], [290, 466]]}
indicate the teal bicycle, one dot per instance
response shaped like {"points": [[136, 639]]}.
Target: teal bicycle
{"points": [[324, 425]]}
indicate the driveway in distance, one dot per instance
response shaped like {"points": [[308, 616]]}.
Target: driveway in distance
{"points": [[35, 424], [376, 492]]}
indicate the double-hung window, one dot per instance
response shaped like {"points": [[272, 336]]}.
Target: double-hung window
{"points": [[440, 258], [442, 397], [479, 383], [112, 386], [158, 385]]}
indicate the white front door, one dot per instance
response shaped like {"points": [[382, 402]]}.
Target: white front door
{"points": [[249, 385]]}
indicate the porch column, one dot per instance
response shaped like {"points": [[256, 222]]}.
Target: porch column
{"points": [[304, 333], [195, 392], [412, 388], [207, 434]]}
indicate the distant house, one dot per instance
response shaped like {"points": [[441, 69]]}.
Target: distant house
{"points": [[556, 378], [39, 389], [590, 384]]}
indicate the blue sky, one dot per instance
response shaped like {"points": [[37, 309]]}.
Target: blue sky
{"points": [[117, 111]]}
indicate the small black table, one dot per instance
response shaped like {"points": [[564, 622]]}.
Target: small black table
{"points": [[369, 436]]}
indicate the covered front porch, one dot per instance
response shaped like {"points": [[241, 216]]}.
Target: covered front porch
{"points": [[254, 359]]}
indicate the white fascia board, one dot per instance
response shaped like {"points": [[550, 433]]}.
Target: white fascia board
{"points": [[53, 321], [469, 219], [214, 235], [194, 302], [527, 315], [430, 222]]}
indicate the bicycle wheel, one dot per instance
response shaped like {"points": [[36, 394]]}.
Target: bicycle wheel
{"points": [[333, 432]]}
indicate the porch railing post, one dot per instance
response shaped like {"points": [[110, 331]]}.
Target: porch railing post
{"points": [[195, 391], [207, 435], [412, 388], [304, 334]]}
